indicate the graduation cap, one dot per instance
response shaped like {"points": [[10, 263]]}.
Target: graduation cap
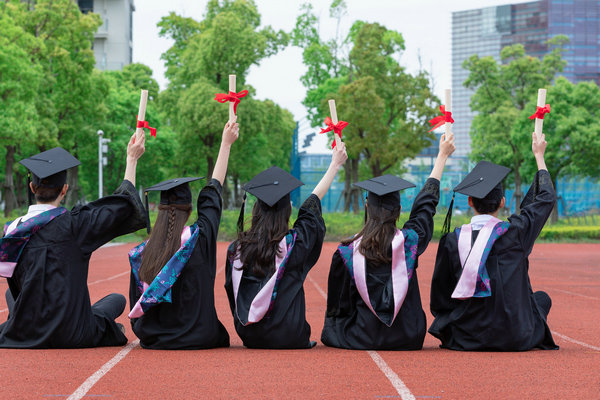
{"points": [[49, 168], [172, 191], [272, 187], [384, 191], [484, 181]]}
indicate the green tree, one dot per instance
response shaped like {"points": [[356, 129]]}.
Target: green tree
{"points": [[19, 83], [572, 132], [229, 40], [503, 90], [387, 108]]}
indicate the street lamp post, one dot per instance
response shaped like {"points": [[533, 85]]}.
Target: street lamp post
{"points": [[102, 150]]}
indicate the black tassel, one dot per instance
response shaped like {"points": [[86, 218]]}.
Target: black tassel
{"points": [[29, 192], [240, 223], [148, 227], [448, 220]]}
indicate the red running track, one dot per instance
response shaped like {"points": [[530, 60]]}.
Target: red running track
{"points": [[570, 273]]}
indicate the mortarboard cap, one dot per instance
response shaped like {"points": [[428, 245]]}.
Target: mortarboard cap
{"points": [[384, 191], [272, 186], [49, 168], [483, 180], [172, 191]]}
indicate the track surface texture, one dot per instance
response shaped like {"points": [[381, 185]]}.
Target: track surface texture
{"points": [[570, 273]]}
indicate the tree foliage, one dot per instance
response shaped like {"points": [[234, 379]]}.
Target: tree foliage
{"points": [[505, 95], [229, 40], [387, 107]]}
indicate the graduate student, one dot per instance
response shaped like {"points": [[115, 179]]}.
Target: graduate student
{"points": [[373, 299], [171, 290], [45, 257], [266, 267], [481, 296]]}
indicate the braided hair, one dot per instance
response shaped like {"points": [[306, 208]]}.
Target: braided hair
{"points": [[164, 240]]}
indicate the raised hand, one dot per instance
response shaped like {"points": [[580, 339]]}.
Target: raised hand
{"points": [[231, 132]]}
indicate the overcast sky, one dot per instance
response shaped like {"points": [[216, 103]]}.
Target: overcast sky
{"points": [[425, 25]]}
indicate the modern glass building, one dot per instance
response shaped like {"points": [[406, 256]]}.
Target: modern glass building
{"points": [[485, 31]]}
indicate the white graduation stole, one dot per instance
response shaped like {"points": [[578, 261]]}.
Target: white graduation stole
{"points": [[262, 301], [399, 274]]}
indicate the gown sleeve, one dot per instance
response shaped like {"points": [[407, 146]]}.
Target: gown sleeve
{"points": [[102, 220], [338, 288], [423, 210], [444, 280], [310, 229], [209, 207], [535, 209]]}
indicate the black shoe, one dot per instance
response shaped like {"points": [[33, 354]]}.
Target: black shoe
{"points": [[121, 328], [312, 344]]}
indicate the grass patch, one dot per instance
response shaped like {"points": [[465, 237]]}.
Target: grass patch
{"points": [[342, 225]]}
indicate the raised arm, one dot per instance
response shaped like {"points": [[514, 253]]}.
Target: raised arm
{"points": [[446, 149], [230, 135], [424, 206], [539, 200], [338, 159], [135, 149]]}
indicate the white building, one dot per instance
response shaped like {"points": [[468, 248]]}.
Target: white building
{"points": [[113, 42]]}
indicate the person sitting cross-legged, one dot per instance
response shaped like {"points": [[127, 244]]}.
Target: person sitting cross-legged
{"points": [[481, 295]]}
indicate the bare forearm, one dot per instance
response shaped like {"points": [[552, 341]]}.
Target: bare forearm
{"points": [[541, 163], [323, 186], [438, 167], [130, 170], [220, 169]]}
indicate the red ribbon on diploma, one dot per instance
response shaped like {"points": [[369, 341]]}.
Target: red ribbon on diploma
{"points": [[231, 97], [539, 113], [441, 119], [337, 128], [144, 124]]}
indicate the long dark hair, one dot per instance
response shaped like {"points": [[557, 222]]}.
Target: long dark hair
{"points": [[377, 234], [164, 240], [259, 245]]}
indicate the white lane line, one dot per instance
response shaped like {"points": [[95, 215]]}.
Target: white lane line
{"points": [[389, 373], [568, 339], [400, 387], [321, 292], [109, 278], [3, 310], [576, 294], [219, 270], [96, 376]]}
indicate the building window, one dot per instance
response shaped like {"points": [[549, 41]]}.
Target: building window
{"points": [[86, 6]]}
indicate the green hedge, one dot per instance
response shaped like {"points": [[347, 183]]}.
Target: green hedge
{"points": [[342, 225]]}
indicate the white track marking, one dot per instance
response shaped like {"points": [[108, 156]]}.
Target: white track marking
{"points": [[3, 310], [109, 278], [219, 270], [568, 339], [576, 294], [400, 387], [318, 287], [96, 376], [389, 373]]}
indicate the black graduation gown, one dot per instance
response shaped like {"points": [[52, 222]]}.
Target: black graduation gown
{"points": [[285, 326], [52, 304], [190, 321], [510, 319], [350, 324]]}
